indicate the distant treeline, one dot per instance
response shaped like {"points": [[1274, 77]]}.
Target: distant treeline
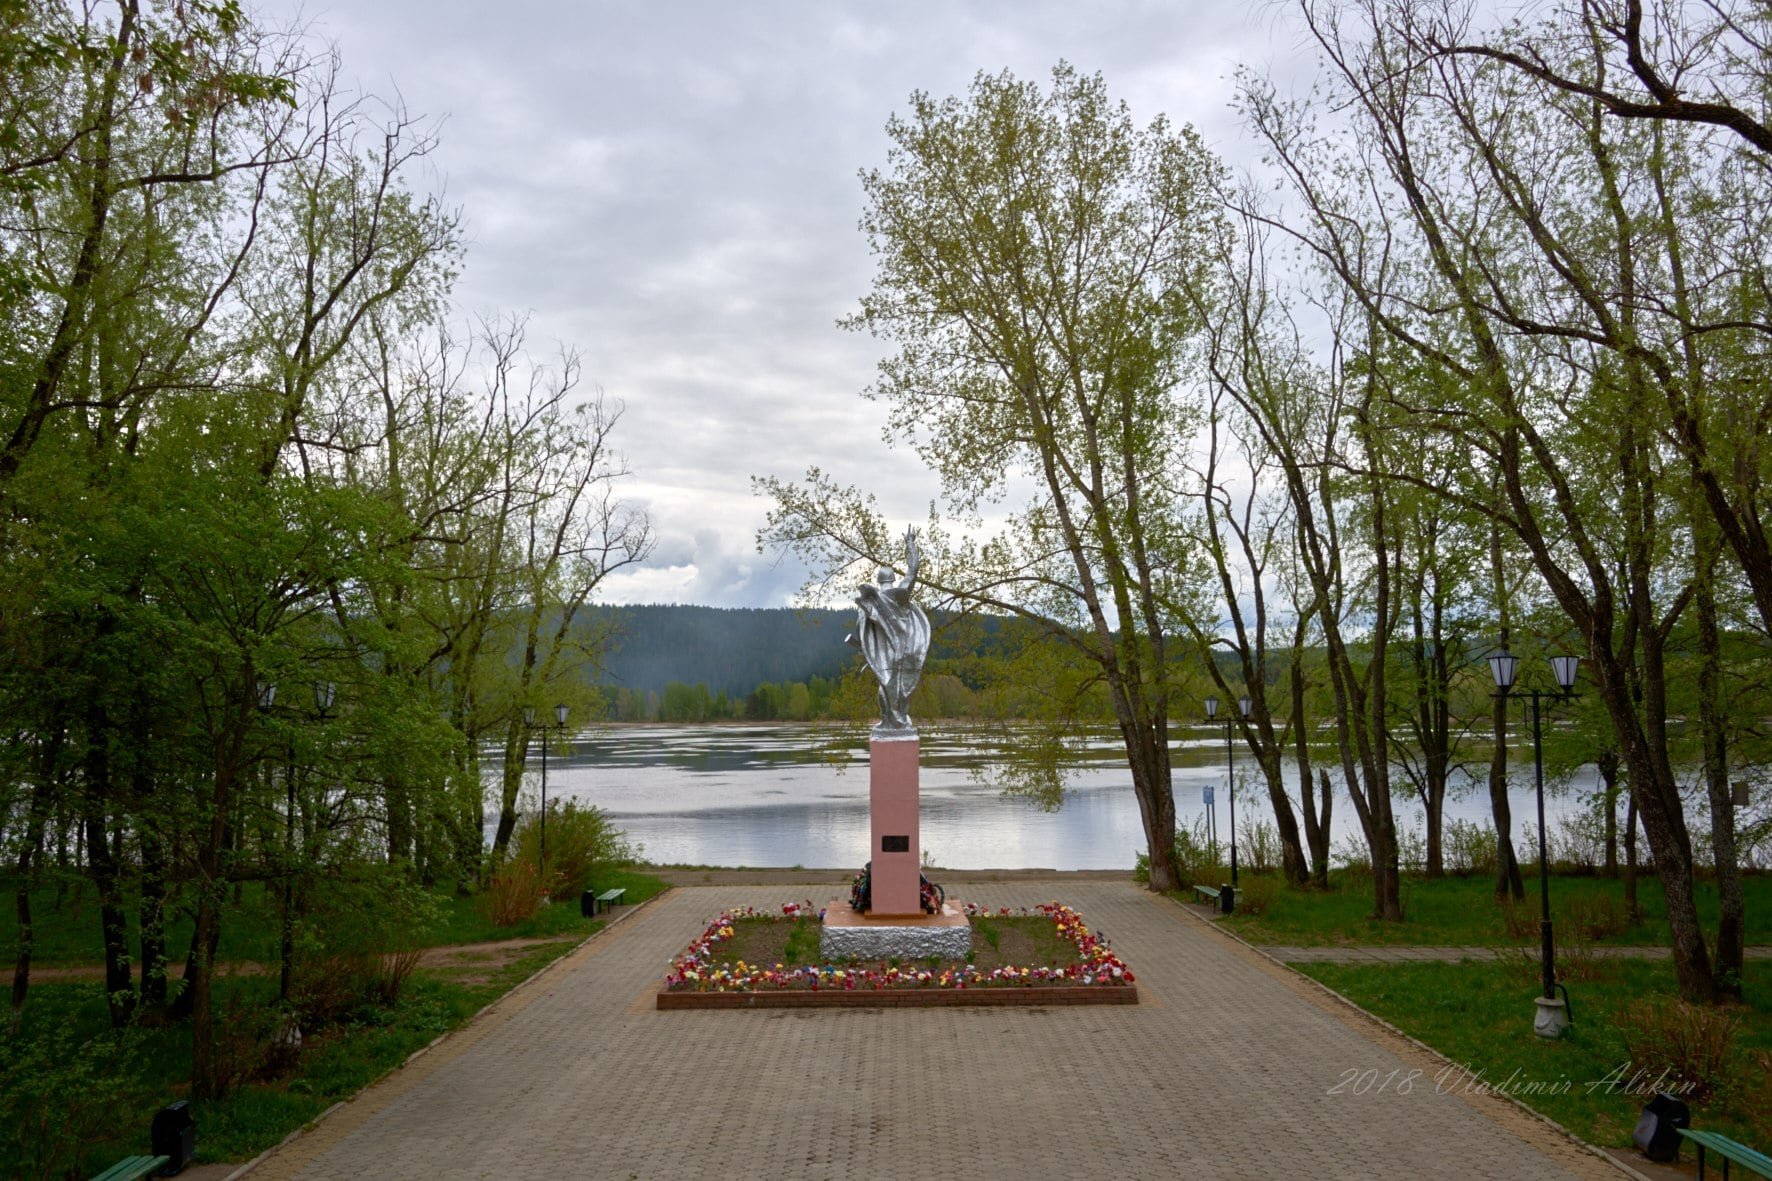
{"points": [[696, 664], [730, 651]]}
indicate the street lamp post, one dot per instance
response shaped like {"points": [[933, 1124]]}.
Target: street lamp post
{"points": [[1230, 770], [1553, 1013], [541, 856]]}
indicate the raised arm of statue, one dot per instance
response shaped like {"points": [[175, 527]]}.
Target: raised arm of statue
{"points": [[910, 558]]}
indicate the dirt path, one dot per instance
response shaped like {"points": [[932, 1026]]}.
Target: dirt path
{"points": [[491, 956]]}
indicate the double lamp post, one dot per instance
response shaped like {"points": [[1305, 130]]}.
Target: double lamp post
{"points": [[1230, 771], [559, 726], [1553, 1012]]}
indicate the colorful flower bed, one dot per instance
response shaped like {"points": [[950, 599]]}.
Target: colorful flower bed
{"points": [[701, 968]]}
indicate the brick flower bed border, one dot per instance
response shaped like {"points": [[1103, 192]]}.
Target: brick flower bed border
{"points": [[702, 982]]}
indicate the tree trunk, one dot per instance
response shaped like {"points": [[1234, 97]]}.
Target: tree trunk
{"points": [[153, 919], [511, 782], [398, 802], [212, 873], [1631, 906], [1292, 862], [102, 863], [1607, 762], [205, 1080], [1436, 861], [1147, 753], [28, 849], [1713, 729], [1316, 824]]}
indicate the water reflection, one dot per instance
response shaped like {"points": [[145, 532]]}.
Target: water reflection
{"points": [[782, 795]]}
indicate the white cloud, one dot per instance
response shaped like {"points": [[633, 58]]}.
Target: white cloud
{"points": [[672, 188]]}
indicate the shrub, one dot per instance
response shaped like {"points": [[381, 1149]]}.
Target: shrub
{"points": [[1521, 962], [326, 990], [384, 977], [1468, 847], [1598, 916], [1411, 848], [1576, 841], [1258, 843], [514, 893], [247, 1047], [1577, 960], [60, 1092], [581, 841], [1520, 919], [1194, 860], [1690, 1043], [1351, 854], [1258, 894], [367, 909], [339, 987]]}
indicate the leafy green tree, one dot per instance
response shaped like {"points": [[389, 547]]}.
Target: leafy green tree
{"points": [[1592, 380], [1034, 248]]}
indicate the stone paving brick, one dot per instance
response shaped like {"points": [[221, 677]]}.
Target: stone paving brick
{"points": [[1226, 1070]]}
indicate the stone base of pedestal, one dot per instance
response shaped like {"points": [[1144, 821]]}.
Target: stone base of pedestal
{"points": [[848, 934]]}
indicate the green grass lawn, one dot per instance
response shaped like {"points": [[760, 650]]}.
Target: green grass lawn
{"points": [[1463, 912], [76, 1096], [67, 922], [1480, 1016], [998, 941]]}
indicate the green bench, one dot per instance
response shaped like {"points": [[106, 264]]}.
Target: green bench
{"points": [[1223, 899], [609, 898], [1729, 1150], [133, 1168]]}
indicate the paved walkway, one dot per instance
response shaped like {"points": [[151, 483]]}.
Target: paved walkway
{"points": [[1404, 955], [1227, 1069]]}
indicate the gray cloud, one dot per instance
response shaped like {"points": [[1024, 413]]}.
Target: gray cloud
{"points": [[672, 188]]}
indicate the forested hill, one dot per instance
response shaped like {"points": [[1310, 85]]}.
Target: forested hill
{"points": [[730, 650]]}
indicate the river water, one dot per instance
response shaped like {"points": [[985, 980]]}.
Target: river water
{"points": [[786, 795]]}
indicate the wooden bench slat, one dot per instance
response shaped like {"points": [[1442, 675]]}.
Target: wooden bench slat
{"points": [[1732, 1150], [132, 1168]]}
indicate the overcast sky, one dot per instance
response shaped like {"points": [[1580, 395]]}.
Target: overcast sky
{"points": [[671, 188]]}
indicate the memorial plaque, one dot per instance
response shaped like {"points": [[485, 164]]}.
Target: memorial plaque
{"points": [[901, 844]]}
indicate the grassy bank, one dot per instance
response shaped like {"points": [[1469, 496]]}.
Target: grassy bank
{"points": [[1591, 1081], [66, 921], [75, 1095], [1461, 912]]}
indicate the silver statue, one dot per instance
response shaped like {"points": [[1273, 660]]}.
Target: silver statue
{"points": [[893, 635]]}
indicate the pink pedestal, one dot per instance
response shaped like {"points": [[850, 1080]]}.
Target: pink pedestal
{"points": [[897, 843]]}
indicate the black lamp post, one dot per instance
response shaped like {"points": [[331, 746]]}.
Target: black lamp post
{"points": [[1552, 1013], [541, 856], [1230, 771]]}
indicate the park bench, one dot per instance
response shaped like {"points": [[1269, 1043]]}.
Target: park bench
{"points": [[609, 898], [1729, 1150], [1223, 899], [132, 1168]]}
